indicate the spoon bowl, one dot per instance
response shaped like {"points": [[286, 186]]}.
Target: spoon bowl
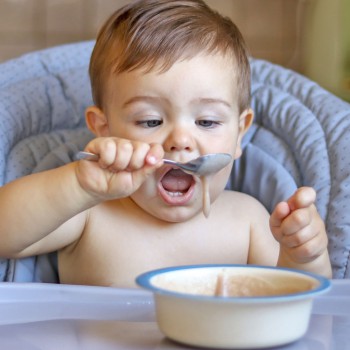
{"points": [[201, 166]]}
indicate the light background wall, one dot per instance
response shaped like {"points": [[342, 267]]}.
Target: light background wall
{"points": [[326, 45], [269, 26], [288, 32]]}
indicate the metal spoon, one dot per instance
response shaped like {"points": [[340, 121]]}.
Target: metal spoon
{"points": [[201, 166]]}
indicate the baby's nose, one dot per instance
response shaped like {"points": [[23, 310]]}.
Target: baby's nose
{"points": [[180, 138]]}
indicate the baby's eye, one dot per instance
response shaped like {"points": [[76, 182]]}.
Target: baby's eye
{"points": [[207, 123], [152, 123]]}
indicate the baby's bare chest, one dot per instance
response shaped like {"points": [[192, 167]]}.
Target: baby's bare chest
{"points": [[117, 252]]}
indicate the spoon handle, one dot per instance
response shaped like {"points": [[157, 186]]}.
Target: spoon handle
{"points": [[94, 157], [87, 156]]}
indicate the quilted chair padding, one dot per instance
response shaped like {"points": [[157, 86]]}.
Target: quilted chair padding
{"points": [[300, 137]]}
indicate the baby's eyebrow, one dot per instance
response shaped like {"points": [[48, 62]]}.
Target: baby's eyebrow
{"points": [[161, 100], [211, 100], [144, 98]]}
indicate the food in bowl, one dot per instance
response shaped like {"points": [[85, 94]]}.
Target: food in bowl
{"points": [[251, 285], [233, 306]]}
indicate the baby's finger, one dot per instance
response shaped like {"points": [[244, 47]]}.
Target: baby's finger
{"points": [[145, 155], [123, 155], [155, 154], [138, 157], [105, 148], [296, 221], [309, 250], [280, 212], [302, 198], [299, 238]]}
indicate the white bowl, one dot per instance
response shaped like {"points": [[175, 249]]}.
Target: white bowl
{"points": [[189, 312]]}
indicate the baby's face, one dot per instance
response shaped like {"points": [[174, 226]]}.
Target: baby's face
{"points": [[190, 110]]}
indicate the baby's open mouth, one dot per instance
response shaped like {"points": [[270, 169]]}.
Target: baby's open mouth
{"points": [[176, 187]]}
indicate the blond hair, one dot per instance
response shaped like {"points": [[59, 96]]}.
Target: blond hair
{"points": [[154, 34]]}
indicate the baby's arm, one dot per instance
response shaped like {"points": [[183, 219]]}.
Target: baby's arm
{"points": [[35, 205], [47, 211], [299, 229]]}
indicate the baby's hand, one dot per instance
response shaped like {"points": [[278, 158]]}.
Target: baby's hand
{"points": [[299, 229], [122, 167]]}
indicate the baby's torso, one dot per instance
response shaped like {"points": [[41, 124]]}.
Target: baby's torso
{"points": [[117, 244]]}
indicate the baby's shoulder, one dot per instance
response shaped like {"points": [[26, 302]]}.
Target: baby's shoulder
{"points": [[240, 202], [229, 196]]}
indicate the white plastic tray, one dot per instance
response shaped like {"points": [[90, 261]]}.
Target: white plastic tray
{"points": [[32, 302], [49, 317]]}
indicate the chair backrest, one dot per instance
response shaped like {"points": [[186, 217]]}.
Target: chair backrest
{"points": [[299, 137], [43, 96]]}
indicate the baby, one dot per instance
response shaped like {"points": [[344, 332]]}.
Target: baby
{"points": [[170, 79]]}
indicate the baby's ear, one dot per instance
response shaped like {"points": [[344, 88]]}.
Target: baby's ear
{"points": [[96, 121], [245, 121]]}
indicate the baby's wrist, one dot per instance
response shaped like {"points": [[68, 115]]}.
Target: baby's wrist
{"points": [[83, 194], [319, 264]]}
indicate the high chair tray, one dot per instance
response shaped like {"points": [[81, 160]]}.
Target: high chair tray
{"points": [[33, 302], [47, 316]]}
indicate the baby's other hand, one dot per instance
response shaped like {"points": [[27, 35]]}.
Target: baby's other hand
{"points": [[298, 227], [122, 167]]}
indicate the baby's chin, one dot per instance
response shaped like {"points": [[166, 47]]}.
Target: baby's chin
{"points": [[178, 216], [170, 214]]}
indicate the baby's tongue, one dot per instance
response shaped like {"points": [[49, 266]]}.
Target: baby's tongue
{"points": [[176, 181]]}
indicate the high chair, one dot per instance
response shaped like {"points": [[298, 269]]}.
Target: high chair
{"points": [[300, 136]]}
